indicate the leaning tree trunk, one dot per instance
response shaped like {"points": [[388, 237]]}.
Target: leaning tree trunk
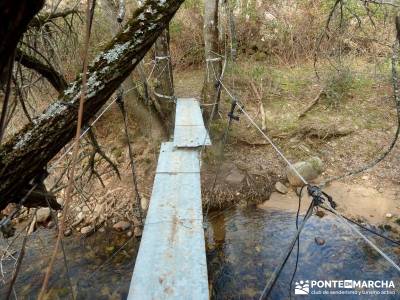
{"points": [[211, 91], [29, 151], [152, 123], [164, 87]]}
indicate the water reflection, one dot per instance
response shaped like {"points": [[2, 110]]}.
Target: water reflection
{"points": [[110, 281], [243, 247], [241, 259]]}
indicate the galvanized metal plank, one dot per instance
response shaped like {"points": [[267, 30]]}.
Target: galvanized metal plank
{"points": [[170, 272], [191, 136], [171, 263], [188, 112], [189, 125], [175, 196], [173, 160]]}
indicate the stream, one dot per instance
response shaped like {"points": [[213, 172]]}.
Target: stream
{"points": [[244, 245]]}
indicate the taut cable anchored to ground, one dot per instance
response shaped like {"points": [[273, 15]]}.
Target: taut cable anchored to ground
{"points": [[365, 228], [284, 258], [314, 192], [369, 242]]}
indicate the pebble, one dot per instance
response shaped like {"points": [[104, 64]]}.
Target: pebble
{"points": [[144, 203], [122, 226], [60, 201], [85, 230], [235, 177], [98, 208], [309, 169], [50, 224], [389, 215], [137, 232], [319, 241], [78, 221], [281, 188], [42, 214], [67, 232]]}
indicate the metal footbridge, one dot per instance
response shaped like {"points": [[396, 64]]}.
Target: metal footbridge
{"points": [[171, 263]]}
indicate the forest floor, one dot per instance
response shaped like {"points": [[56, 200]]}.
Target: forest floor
{"points": [[353, 122], [350, 125]]}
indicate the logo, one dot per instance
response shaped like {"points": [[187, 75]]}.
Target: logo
{"points": [[345, 287], [302, 287]]}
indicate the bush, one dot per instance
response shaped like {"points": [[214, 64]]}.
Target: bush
{"points": [[338, 85]]}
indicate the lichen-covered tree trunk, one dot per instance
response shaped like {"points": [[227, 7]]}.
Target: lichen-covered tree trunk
{"points": [[164, 87], [144, 113], [29, 151], [211, 92]]}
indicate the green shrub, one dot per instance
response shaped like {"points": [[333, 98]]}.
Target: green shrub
{"points": [[338, 85]]}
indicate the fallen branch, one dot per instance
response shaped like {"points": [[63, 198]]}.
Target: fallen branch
{"points": [[311, 104]]}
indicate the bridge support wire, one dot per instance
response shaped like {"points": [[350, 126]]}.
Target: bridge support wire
{"points": [[313, 191], [274, 277]]}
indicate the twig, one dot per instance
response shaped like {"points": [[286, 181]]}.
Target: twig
{"points": [[97, 149], [311, 104]]}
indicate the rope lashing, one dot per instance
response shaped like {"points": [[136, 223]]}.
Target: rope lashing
{"points": [[169, 98], [231, 113], [162, 57], [319, 197], [213, 59]]}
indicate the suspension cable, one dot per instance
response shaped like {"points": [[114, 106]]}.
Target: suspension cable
{"points": [[284, 258], [368, 241]]}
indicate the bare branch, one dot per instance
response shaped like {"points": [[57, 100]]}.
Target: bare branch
{"points": [[56, 79], [43, 18], [25, 154], [393, 3]]}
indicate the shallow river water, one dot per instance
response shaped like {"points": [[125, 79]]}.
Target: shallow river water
{"points": [[244, 245]]}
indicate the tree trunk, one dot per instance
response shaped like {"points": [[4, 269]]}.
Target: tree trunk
{"points": [[151, 123], [29, 151], [164, 87], [14, 19], [211, 92]]}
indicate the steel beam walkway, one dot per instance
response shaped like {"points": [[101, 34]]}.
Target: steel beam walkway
{"points": [[171, 263]]}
